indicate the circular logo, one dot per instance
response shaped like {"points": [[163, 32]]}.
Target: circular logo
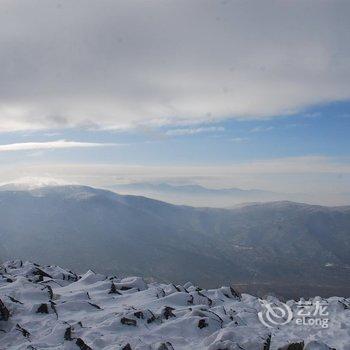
{"points": [[276, 314]]}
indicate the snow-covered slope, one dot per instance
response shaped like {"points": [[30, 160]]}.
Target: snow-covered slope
{"points": [[47, 307]]}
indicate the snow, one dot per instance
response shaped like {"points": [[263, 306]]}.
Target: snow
{"points": [[52, 308]]}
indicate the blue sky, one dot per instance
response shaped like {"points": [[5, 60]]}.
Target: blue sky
{"points": [[299, 153], [318, 131]]}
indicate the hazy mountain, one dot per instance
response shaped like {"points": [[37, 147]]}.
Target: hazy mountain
{"points": [[286, 247], [197, 195], [190, 189]]}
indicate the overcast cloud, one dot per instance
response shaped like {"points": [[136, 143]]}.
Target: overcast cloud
{"points": [[121, 64]]}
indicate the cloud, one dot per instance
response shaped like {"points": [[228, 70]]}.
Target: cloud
{"points": [[309, 174], [122, 64], [60, 144], [287, 165], [313, 115], [239, 139], [28, 182], [262, 128], [193, 131]]}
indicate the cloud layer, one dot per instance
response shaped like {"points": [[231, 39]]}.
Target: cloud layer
{"points": [[121, 64], [194, 131], [111, 173], [60, 144]]}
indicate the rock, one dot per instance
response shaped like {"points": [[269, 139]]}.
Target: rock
{"points": [[4, 312], [293, 346], [41, 273], [210, 302], [68, 334], [53, 307], [345, 304], [235, 293], [165, 346], [81, 344], [15, 300], [168, 312], [24, 332], [152, 318], [128, 321], [50, 291], [113, 289], [139, 314], [95, 306], [267, 343], [202, 323], [43, 309]]}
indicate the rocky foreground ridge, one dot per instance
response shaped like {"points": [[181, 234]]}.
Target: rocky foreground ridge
{"points": [[48, 307]]}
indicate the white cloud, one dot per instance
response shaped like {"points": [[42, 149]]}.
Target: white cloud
{"points": [[262, 128], [313, 115], [28, 182], [239, 139], [193, 131], [60, 144], [121, 64]]}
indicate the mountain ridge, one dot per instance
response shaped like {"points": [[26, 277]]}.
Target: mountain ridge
{"points": [[280, 243]]}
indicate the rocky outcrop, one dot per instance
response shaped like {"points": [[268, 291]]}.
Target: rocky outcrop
{"points": [[87, 313]]}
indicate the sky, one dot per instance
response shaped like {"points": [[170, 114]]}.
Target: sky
{"points": [[245, 94]]}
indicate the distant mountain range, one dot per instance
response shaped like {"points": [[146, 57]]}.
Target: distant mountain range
{"points": [[193, 189], [197, 195], [290, 248]]}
